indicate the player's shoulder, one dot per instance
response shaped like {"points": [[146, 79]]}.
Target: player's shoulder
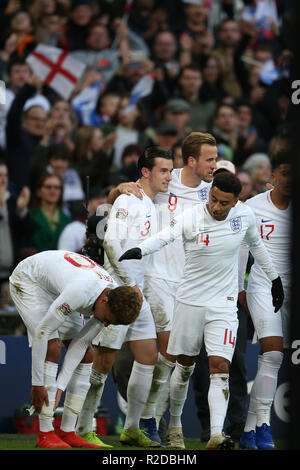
{"points": [[241, 209], [258, 199]]}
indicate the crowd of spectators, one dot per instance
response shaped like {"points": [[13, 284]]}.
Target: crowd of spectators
{"points": [[216, 69]]}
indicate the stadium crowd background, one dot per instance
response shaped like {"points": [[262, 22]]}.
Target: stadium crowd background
{"points": [[215, 70]]}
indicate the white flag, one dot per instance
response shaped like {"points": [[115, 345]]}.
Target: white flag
{"points": [[56, 68]]}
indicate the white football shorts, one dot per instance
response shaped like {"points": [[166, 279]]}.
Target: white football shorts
{"points": [[161, 297], [266, 322], [192, 324], [32, 303], [113, 336]]}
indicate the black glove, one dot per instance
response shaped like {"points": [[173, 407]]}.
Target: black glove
{"points": [[133, 253], [277, 293]]}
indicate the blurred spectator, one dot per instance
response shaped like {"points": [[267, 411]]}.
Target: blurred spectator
{"points": [[47, 214], [16, 73], [61, 125], [195, 17], [202, 112], [97, 197], [224, 9], [98, 53], [178, 112], [50, 21], [56, 160], [15, 224], [166, 134], [80, 18], [72, 237], [108, 107], [229, 51], [24, 130], [164, 54], [41, 8], [259, 167], [128, 170], [22, 26], [147, 18], [211, 89], [282, 139], [90, 155], [225, 126], [178, 160], [248, 140], [247, 186], [131, 129]]}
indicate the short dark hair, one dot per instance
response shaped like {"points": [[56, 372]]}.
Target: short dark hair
{"points": [[227, 182], [15, 60], [147, 159], [59, 151], [282, 157]]}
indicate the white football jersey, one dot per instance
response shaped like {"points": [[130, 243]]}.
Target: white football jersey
{"points": [[72, 280], [131, 220], [274, 227], [210, 276], [168, 263]]}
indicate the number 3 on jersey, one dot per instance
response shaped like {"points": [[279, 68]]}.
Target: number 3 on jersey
{"points": [[145, 232]]}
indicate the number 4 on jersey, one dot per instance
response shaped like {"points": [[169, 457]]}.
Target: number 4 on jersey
{"points": [[202, 238]]}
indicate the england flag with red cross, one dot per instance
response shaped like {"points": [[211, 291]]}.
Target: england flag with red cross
{"points": [[56, 68]]}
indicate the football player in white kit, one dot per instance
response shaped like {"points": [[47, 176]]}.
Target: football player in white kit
{"points": [[130, 220], [189, 185], [53, 291], [206, 300], [272, 211]]}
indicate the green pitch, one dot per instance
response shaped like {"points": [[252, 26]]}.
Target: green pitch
{"points": [[27, 442]]}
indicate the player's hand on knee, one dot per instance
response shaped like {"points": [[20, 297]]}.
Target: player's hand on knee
{"points": [[39, 396], [277, 293], [57, 398], [133, 253]]}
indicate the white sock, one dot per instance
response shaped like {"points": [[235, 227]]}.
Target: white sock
{"points": [[137, 393], [46, 414], [91, 402], [75, 396], [251, 416], [218, 397], [161, 376], [179, 384], [266, 385], [163, 402]]}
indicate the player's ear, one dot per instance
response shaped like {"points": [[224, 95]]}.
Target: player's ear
{"points": [[145, 172]]}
